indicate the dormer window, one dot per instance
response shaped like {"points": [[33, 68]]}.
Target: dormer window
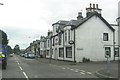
{"points": [[48, 43], [60, 39], [68, 34], [65, 35]]}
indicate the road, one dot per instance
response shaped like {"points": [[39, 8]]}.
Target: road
{"points": [[20, 67]]}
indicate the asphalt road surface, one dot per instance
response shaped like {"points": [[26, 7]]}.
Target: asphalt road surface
{"points": [[20, 67]]}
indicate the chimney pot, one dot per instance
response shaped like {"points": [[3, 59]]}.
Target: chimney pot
{"points": [[93, 5], [97, 6], [90, 5], [79, 15]]}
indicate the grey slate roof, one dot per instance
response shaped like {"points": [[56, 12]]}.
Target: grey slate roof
{"points": [[48, 37], [61, 22], [71, 23], [81, 21], [43, 40]]}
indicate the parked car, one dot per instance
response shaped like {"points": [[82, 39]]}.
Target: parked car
{"points": [[22, 54], [26, 55], [31, 55], [11, 55]]}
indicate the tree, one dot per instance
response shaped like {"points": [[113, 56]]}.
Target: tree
{"points": [[16, 49], [3, 37], [9, 50]]}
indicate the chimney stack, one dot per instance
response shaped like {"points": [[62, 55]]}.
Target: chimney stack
{"points": [[79, 15], [93, 9]]}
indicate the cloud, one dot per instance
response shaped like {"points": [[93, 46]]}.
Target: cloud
{"points": [[26, 20]]}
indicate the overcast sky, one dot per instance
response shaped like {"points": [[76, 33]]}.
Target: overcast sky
{"points": [[26, 20]]}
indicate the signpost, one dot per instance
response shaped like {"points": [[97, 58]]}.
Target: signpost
{"points": [[108, 65], [107, 52]]}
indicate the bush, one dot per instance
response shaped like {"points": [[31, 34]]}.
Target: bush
{"points": [[85, 59]]}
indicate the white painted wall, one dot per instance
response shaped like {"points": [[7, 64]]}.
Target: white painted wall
{"points": [[89, 40], [119, 26], [66, 43], [47, 48], [55, 47], [116, 35], [61, 46]]}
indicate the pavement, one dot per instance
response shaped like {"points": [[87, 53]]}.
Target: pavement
{"points": [[101, 73]]}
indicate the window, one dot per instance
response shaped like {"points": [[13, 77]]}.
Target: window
{"points": [[107, 52], [61, 52], [68, 34], [48, 43], [105, 36], [69, 52], [65, 35], [116, 52], [47, 52], [53, 41], [60, 39]]}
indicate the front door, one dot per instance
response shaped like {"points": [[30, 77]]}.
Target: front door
{"points": [[56, 53]]}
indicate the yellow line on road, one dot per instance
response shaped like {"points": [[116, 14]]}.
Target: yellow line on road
{"points": [[102, 74]]}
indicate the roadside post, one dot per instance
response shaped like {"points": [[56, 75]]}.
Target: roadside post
{"points": [[108, 64]]}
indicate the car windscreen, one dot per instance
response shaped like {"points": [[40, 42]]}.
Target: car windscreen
{"points": [[31, 54]]}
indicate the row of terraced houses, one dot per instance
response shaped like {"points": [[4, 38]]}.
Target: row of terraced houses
{"points": [[90, 37]]}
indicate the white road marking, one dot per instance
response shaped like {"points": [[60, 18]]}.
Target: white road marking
{"points": [[76, 71], [63, 68], [71, 69], [25, 75], [88, 72], [18, 63], [82, 70], [20, 68], [82, 73]]}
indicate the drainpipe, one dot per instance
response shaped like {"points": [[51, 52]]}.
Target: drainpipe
{"points": [[74, 46], [114, 44], [50, 49], [63, 46]]}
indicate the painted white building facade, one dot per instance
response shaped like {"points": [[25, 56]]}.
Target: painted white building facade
{"points": [[89, 41], [93, 39], [119, 26], [57, 46], [43, 47]]}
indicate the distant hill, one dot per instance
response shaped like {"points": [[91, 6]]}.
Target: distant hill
{"points": [[22, 49]]}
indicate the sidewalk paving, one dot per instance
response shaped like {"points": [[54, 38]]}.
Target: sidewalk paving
{"points": [[114, 72], [101, 73], [53, 61]]}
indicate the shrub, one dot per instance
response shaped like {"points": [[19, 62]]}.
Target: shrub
{"points": [[85, 59]]}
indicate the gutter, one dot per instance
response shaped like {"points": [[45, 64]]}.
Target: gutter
{"points": [[63, 46], [114, 44], [74, 46]]}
